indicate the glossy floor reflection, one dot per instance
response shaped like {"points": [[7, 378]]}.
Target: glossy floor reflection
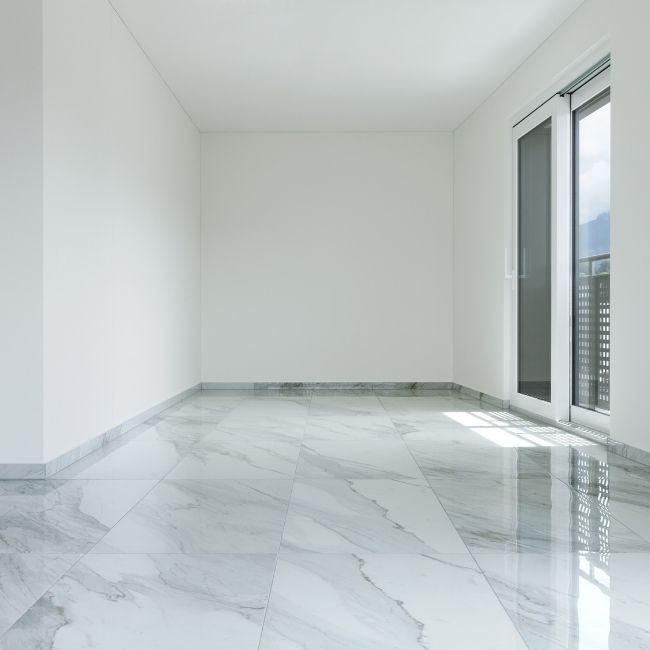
{"points": [[331, 521]]}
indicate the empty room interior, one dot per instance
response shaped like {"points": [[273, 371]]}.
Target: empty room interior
{"points": [[323, 325]]}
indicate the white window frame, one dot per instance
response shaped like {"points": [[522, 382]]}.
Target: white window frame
{"points": [[598, 85], [558, 110], [561, 111]]}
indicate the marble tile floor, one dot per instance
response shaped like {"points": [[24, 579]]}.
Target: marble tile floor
{"points": [[330, 521]]}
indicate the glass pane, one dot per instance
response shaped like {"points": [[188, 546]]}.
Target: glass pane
{"points": [[591, 255], [534, 245]]}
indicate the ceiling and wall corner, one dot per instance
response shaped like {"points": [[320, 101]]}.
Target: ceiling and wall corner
{"points": [[483, 201], [630, 223], [341, 68], [327, 257], [412, 65], [21, 232]]}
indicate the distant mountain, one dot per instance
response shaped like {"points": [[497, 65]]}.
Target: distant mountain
{"points": [[594, 236]]}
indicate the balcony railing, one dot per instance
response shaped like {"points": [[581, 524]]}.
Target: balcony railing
{"points": [[591, 334]]}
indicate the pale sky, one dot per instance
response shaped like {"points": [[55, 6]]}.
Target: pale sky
{"points": [[594, 164]]}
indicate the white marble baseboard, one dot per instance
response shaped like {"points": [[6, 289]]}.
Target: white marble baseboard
{"points": [[43, 470], [629, 452], [328, 385], [482, 397]]}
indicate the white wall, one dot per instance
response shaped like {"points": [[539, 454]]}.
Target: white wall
{"points": [[327, 257], [483, 208], [630, 222], [21, 269], [121, 229]]}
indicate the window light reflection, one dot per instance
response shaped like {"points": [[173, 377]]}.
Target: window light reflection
{"points": [[502, 437], [506, 429]]}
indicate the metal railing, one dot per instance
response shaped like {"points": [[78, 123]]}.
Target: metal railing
{"points": [[591, 333]]}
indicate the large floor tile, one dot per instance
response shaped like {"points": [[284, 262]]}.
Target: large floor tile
{"points": [[368, 515], [342, 405], [219, 398], [24, 578], [351, 428], [425, 405], [58, 516], [444, 460], [223, 457], [196, 516], [384, 602], [422, 423], [373, 547], [594, 466], [256, 427], [621, 485], [202, 410], [575, 601], [486, 437], [531, 515], [180, 430], [273, 406], [135, 459], [150, 602], [409, 405], [369, 459]]}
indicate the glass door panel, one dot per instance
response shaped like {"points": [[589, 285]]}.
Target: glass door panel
{"points": [[591, 255], [534, 286]]}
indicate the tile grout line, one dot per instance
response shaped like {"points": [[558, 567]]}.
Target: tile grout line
{"points": [[284, 526], [609, 514], [157, 482], [82, 556], [469, 552], [52, 584], [308, 400]]}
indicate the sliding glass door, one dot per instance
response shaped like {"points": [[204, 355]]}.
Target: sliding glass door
{"points": [[561, 244], [535, 212], [540, 215], [591, 253]]}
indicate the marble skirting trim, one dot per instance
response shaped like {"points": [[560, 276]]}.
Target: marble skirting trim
{"points": [[326, 385], [569, 427], [22, 470], [614, 446], [43, 470], [629, 452], [483, 397]]}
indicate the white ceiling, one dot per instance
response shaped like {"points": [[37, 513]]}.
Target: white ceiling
{"points": [[296, 65]]}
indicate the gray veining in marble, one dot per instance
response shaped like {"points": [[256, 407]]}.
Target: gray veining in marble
{"points": [[166, 602], [368, 459], [445, 460], [371, 506], [572, 601], [368, 515], [198, 516], [384, 602], [24, 578], [531, 515], [132, 460], [225, 457], [58, 516], [351, 428]]}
